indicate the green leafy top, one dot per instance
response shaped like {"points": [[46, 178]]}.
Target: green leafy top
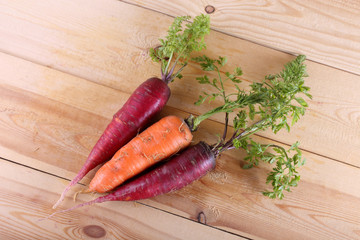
{"points": [[269, 104], [242, 99], [179, 43]]}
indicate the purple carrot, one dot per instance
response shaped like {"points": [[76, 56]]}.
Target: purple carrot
{"points": [[181, 170]]}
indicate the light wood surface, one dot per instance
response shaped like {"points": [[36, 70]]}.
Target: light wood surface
{"points": [[326, 31], [68, 66]]}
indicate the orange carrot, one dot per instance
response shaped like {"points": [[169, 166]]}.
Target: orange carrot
{"points": [[159, 141]]}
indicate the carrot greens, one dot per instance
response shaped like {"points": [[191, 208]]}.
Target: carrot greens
{"points": [[268, 104], [179, 43]]}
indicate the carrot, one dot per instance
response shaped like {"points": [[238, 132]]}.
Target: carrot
{"points": [[151, 96], [161, 140]]}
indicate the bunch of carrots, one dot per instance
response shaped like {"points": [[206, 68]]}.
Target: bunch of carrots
{"points": [[127, 153]]}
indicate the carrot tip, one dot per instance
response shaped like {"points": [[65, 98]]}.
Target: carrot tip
{"points": [[48, 217], [60, 200], [63, 195]]}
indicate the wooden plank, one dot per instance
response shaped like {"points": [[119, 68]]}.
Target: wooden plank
{"points": [[27, 196], [107, 41], [322, 207], [327, 32]]}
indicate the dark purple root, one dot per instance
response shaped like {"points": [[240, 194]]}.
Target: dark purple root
{"points": [[146, 101], [181, 170]]}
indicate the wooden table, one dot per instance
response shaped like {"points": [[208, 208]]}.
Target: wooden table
{"points": [[67, 66]]}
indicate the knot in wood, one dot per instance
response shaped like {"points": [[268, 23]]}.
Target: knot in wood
{"points": [[209, 9], [94, 231]]}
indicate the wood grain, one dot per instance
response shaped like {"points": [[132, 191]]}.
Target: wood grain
{"points": [[68, 66], [327, 32], [27, 196], [38, 118], [105, 47]]}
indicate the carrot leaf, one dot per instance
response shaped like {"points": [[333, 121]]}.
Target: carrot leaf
{"points": [[179, 43], [242, 99]]}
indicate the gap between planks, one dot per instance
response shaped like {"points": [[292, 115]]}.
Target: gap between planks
{"points": [[137, 202], [245, 39]]}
